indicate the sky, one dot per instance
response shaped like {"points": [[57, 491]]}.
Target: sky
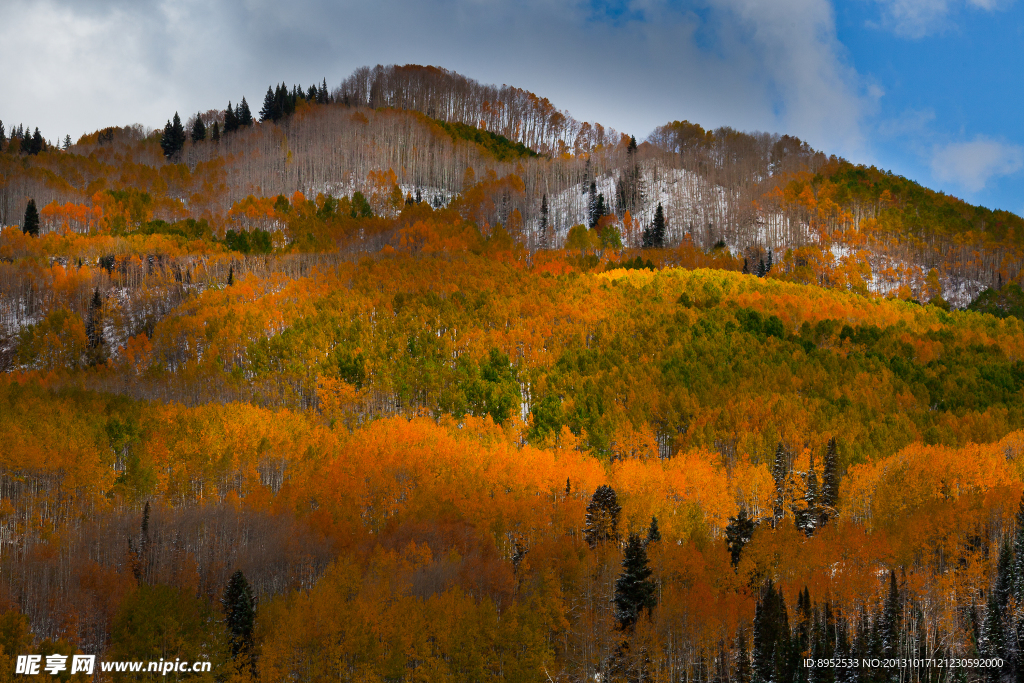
{"points": [[926, 88]]}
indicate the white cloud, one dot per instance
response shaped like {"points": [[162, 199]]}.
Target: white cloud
{"points": [[918, 18], [972, 164], [78, 65]]}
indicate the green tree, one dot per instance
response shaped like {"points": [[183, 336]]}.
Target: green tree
{"points": [[654, 234], [653, 533], [771, 637], [198, 129], [230, 119], [97, 351], [244, 115], [634, 589], [240, 618], [271, 110], [163, 622], [173, 138], [602, 520], [215, 136], [738, 533], [30, 226]]}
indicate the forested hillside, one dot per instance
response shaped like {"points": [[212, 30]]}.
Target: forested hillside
{"points": [[419, 379]]}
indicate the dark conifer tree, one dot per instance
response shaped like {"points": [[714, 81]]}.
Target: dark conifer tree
{"points": [[542, 241], [240, 618], [653, 533], [746, 267], [198, 129], [891, 621], [244, 115], [215, 136], [3, 136], [602, 520], [780, 469], [738, 533], [634, 589], [230, 120], [322, 96], [829, 496], [67, 142], [173, 138], [94, 330], [36, 144], [592, 204], [654, 235], [771, 637], [743, 672], [270, 111], [30, 225], [231, 275]]}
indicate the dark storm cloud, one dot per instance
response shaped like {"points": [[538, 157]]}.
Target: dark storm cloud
{"points": [[72, 67]]}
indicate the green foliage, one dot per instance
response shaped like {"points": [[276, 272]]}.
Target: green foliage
{"points": [[163, 622], [173, 138], [916, 209], [30, 225], [634, 589], [249, 242], [239, 605], [498, 146], [189, 229], [602, 520], [1002, 303]]}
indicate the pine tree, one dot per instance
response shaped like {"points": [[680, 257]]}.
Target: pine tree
{"points": [[3, 135], [890, 624], [215, 136], [173, 138], [198, 129], [270, 110], [244, 115], [592, 204], [231, 275], [828, 498], [543, 239], [738, 533], [653, 533], [30, 226], [36, 144], [743, 673], [654, 235], [771, 637], [779, 471], [602, 520], [230, 120], [67, 142], [634, 589], [240, 618], [94, 330]]}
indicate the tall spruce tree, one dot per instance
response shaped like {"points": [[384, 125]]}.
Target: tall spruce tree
{"points": [[230, 119], [36, 144], [653, 533], [240, 618], [634, 589], [30, 225], [602, 520], [830, 476], [738, 533], [654, 234], [542, 240], [215, 136], [97, 351], [270, 110], [891, 621], [244, 115], [173, 138], [771, 637], [198, 129]]}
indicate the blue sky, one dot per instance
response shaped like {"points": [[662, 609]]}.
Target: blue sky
{"points": [[931, 89]]}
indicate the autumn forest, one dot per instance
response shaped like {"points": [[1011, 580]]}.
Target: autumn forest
{"points": [[413, 378]]}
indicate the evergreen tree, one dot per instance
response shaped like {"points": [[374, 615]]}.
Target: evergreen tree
{"points": [[634, 589], [244, 115], [215, 136], [270, 110], [30, 226], [543, 239], [771, 637], [231, 275], [323, 97], [3, 135], [890, 624], [654, 234], [94, 330], [653, 533], [738, 533], [779, 471], [830, 476], [746, 267], [743, 672], [240, 618], [592, 204], [173, 138], [230, 120], [36, 144], [809, 518], [67, 142], [602, 520], [198, 129]]}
